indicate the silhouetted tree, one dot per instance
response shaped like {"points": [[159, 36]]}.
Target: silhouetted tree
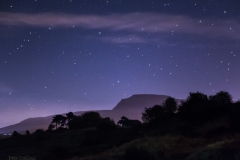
{"points": [[59, 120], [170, 105], [27, 132], [69, 117], [195, 108], [50, 127], [91, 118], [153, 114], [106, 124], [15, 134], [125, 122], [87, 119], [220, 99], [76, 123]]}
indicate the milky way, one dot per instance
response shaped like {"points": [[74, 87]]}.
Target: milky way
{"points": [[71, 55]]}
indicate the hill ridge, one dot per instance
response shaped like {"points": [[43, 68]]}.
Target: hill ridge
{"points": [[131, 107]]}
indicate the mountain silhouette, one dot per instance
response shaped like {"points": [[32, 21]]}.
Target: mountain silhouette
{"points": [[140, 101], [131, 107]]}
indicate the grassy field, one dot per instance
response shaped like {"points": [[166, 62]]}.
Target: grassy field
{"points": [[92, 144], [175, 147]]}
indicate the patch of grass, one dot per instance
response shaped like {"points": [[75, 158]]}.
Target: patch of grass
{"points": [[168, 144], [216, 151], [139, 154]]}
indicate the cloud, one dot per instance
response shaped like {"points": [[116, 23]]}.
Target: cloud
{"points": [[136, 39], [124, 39], [133, 22]]}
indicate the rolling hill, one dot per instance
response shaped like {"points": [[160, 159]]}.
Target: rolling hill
{"points": [[131, 107]]}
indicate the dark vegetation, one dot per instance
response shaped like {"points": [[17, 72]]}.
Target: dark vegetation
{"points": [[201, 127]]}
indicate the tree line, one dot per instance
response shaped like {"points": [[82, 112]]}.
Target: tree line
{"points": [[196, 109]]}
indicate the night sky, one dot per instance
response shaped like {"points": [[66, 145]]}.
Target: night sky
{"points": [[58, 56]]}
